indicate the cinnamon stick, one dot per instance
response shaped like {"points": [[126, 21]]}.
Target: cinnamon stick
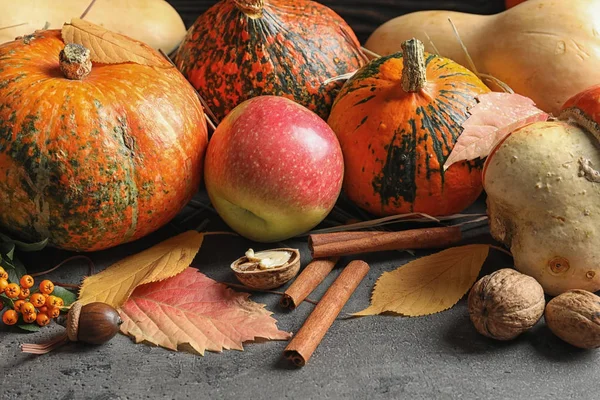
{"points": [[422, 238], [319, 239], [304, 343], [312, 275]]}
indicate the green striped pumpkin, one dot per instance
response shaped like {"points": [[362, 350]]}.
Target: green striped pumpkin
{"points": [[397, 120]]}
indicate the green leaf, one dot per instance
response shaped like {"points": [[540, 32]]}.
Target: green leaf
{"points": [[67, 296], [19, 267], [7, 249], [6, 301], [36, 246], [24, 246], [15, 269], [29, 327]]}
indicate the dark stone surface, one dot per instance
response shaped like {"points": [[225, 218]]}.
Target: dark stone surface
{"points": [[383, 357]]}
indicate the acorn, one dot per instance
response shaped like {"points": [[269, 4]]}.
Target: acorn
{"points": [[93, 323]]}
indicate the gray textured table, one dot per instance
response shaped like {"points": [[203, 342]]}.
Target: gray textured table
{"points": [[435, 357]]}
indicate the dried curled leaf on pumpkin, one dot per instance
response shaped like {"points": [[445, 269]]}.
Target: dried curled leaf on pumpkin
{"points": [[115, 284], [429, 284], [191, 311], [108, 47], [491, 120]]}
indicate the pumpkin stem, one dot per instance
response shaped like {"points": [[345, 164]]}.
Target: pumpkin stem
{"points": [[75, 61], [252, 8], [414, 71]]}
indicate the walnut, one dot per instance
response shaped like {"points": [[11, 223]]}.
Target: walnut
{"points": [[267, 269], [574, 316], [505, 304]]}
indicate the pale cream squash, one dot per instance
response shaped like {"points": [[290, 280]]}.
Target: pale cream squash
{"points": [[547, 50], [153, 22]]}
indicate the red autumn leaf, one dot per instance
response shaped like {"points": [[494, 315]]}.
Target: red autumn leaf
{"points": [[491, 120], [191, 310]]}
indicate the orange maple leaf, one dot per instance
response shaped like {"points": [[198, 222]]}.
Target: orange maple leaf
{"points": [[192, 311]]}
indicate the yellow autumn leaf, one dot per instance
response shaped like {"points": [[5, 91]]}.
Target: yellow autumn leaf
{"points": [[429, 284], [108, 47], [115, 284]]}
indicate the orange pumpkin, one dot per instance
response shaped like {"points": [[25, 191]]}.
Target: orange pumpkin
{"points": [[397, 120], [584, 109], [239, 49], [92, 162]]}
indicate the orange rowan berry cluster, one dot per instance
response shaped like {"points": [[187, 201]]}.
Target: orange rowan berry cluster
{"points": [[40, 307]]}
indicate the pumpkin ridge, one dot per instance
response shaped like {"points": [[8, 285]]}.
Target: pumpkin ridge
{"points": [[429, 124], [129, 179], [42, 180], [398, 167]]}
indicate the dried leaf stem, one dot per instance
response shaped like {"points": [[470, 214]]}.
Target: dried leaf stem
{"points": [[498, 82], [246, 288], [472, 66], [500, 249], [342, 77], [464, 48], [87, 10], [392, 220], [432, 44], [370, 53], [220, 233], [73, 258]]}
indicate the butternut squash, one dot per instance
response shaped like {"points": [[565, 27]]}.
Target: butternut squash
{"points": [[153, 22], [547, 50]]}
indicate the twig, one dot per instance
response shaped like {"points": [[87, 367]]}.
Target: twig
{"points": [[374, 222], [342, 77], [370, 53], [14, 26], [498, 82], [432, 44], [211, 119], [87, 9], [199, 204], [481, 75], [500, 249], [242, 287], [67, 285], [473, 221], [78, 257], [220, 233], [462, 45], [202, 225]]}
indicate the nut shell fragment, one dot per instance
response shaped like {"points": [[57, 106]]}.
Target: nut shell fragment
{"points": [[252, 269], [574, 316], [505, 304]]}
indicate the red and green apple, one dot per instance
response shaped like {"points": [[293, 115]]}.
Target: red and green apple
{"points": [[273, 169]]}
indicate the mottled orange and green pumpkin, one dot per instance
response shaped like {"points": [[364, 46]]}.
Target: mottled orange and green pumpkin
{"points": [[395, 141], [96, 162], [239, 49]]}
